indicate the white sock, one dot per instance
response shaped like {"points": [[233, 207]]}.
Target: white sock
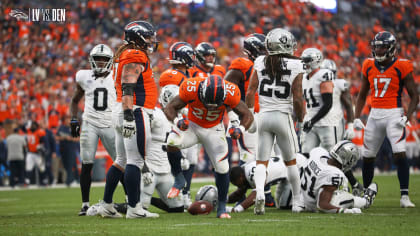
{"points": [[259, 176], [360, 202], [293, 177], [85, 204]]}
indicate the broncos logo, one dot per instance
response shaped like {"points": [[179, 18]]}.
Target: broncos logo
{"points": [[18, 15]]}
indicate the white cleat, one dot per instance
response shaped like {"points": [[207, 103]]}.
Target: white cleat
{"points": [[259, 204], [108, 211], [139, 212], [405, 202], [186, 199], [370, 194]]}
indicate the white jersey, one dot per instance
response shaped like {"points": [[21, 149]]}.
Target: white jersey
{"points": [[312, 94], [319, 173], [156, 158], [340, 86], [276, 95], [276, 171], [100, 97]]}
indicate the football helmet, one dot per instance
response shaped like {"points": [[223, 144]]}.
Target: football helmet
{"points": [[208, 193], [311, 58], [101, 59], [385, 44], [204, 49], [329, 64], [142, 34], [181, 53], [211, 91], [280, 41], [167, 94], [254, 46], [346, 153]]}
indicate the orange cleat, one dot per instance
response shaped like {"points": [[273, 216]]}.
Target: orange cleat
{"points": [[173, 193], [225, 216]]}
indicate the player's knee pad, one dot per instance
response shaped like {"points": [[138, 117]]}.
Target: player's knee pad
{"points": [[342, 199], [222, 167]]}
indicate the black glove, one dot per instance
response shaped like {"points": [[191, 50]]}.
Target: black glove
{"points": [[75, 127], [307, 126]]}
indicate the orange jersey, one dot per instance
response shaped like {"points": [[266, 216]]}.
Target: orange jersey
{"points": [[197, 112], [358, 137], [245, 66], [172, 76], [386, 85], [198, 71], [34, 139], [410, 130], [145, 93]]}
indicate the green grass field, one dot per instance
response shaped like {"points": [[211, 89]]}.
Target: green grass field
{"points": [[54, 212]]}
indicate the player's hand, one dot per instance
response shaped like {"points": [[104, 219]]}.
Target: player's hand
{"points": [[147, 178], [75, 127], [358, 124], [402, 122], [182, 124], [129, 125], [236, 132], [349, 133], [185, 164], [357, 189], [351, 211], [307, 126]]}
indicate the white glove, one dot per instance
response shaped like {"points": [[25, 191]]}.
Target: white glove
{"points": [[402, 122], [174, 139], [229, 209], [238, 208], [358, 124], [185, 164], [233, 118], [352, 211], [147, 178], [349, 133], [128, 129]]}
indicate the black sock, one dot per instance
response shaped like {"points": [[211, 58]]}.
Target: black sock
{"points": [[403, 171], [351, 178], [367, 171], [85, 181], [188, 177], [132, 183], [222, 184], [112, 177], [157, 202]]}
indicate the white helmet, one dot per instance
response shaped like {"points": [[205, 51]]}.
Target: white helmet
{"points": [[346, 153], [312, 58], [280, 41], [101, 59], [329, 64], [208, 193], [167, 94]]}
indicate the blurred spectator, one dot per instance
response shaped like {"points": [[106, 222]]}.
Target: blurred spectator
{"points": [[68, 151], [17, 149], [36, 153]]}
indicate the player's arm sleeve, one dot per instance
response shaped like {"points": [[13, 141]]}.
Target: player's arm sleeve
{"points": [[326, 107]]}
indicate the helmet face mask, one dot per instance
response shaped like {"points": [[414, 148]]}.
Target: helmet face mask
{"points": [[280, 41], [212, 92], [384, 46], [181, 53], [101, 59], [142, 34], [346, 153], [254, 46], [312, 59], [206, 54]]}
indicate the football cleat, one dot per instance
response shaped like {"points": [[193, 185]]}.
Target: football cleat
{"points": [[259, 205], [139, 212], [83, 211], [370, 194], [405, 202], [186, 199], [269, 200], [224, 216], [108, 211], [173, 193]]}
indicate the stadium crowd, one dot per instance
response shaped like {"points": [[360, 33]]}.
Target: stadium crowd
{"points": [[38, 60]]}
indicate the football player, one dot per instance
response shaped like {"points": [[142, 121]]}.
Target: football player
{"points": [[137, 95], [319, 128], [205, 65], [278, 78], [36, 150], [181, 57], [98, 87], [342, 98], [207, 99], [385, 76], [323, 177]]}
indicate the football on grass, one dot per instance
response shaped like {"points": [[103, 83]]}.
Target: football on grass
{"points": [[200, 208]]}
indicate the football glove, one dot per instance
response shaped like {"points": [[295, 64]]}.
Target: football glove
{"points": [[236, 132], [349, 133], [185, 164], [75, 127], [350, 211], [146, 175], [129, 125], [358, 124], [182, 124], [402, 122], [307, 126], [357, 189]]}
